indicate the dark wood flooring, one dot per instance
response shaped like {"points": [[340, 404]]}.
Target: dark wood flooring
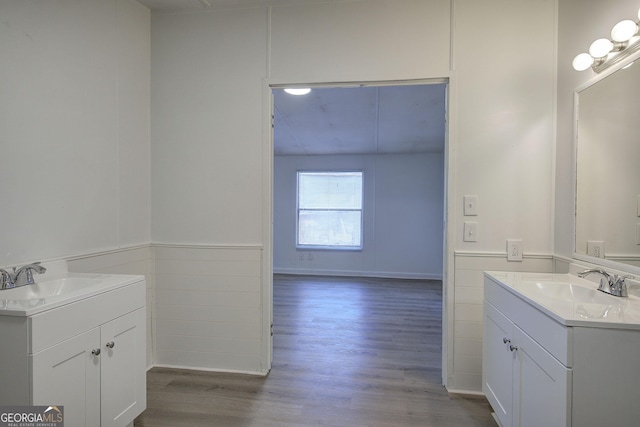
{"points": [[347, 352]]}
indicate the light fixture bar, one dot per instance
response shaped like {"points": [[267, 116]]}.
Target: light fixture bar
{"points": [[605, 53], [616, 58]]}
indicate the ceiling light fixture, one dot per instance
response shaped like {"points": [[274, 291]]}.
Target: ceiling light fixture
{"points": [[603, 53], [297, 90]]}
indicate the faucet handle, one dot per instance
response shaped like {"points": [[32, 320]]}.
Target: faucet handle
{"points": [[619, 286], [24, 274], [6, 281]]}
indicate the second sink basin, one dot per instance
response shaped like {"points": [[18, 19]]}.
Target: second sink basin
{"points": [[571, 300], [568, 292]]}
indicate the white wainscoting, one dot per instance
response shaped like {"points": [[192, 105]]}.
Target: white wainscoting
{"points": [[209, 307], [134, 260], [466, 373]]}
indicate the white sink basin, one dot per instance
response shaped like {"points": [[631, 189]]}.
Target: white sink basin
{"points": [[49, 288], [56, 290], [567, 292], [571, 300]]}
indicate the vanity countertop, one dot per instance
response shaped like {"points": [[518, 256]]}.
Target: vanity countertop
{"points": [[53, 291], [571, 300]]}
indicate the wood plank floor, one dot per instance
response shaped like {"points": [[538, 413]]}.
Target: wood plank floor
{"points": [[347, 352]]}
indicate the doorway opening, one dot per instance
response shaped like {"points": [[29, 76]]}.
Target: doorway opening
{"points": [[395, 134]]}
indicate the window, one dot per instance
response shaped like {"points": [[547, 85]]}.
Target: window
{"points": [[330, 210]]}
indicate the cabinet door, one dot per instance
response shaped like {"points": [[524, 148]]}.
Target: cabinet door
{"points": [[68, 374], [542, 386], [123, 385], [497, 363]]}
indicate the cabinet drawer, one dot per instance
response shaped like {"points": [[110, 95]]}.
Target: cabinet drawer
{"points": [[75, 318], [551, 335]]}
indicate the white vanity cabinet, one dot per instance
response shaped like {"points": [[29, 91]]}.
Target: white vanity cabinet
{"points": [[88, 356], [549, 368], [525, 385]]}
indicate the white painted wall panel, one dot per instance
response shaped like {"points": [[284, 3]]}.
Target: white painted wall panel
{"points": [[505, 123], [208, 305], [206, 76], [403, 216], [360, 40], [504, 83], [60, 112], [134, 115], [466, 373]]}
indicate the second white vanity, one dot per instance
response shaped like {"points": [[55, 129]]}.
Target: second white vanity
{"points": [[557, 352], [77, 341]]}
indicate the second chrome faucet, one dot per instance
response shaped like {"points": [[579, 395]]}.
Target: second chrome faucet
{"points": [[609, 283]]}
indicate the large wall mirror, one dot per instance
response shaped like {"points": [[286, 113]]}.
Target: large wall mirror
{"points": [[608, 167]]}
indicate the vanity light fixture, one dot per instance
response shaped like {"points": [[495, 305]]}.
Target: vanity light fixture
{"points": [[603, 53], [297, 90]]}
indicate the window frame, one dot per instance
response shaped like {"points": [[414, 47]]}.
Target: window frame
{"points": [[339, 248]]}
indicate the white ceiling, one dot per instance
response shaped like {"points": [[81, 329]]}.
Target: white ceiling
{"points": [[361, 120]]}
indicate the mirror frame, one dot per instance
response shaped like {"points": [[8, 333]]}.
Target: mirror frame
{"points": [[576, 104]]}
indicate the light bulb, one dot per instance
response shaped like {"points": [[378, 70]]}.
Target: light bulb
{"points": [[600, 48], [582, 62], [624, 30], [298, 90]]}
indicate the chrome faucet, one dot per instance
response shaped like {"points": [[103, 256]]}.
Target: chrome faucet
{"points": [[6, 279], [609, 283], [24, 275]]}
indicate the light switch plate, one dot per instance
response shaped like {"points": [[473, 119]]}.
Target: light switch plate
{"points": [[595, 248], [514, 250], [470, 205], [470, 231]]}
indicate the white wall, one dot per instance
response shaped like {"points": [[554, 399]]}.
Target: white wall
{"points": [[74, 123], [503, 119], [74, 128], [208, 302], [207, 76], [505, 99], [340, 41], [403, 217], [208, 129], [209, 124]]}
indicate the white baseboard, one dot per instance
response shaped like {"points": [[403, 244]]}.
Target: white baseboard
{"points": [[465, 392], [225, 371]]}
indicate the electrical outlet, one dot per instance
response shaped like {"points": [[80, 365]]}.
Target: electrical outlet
{"points": [[514, 250], [638, 233], [301, 256], [595, 248], [470, 205], [470, 232], [310, 256]]}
